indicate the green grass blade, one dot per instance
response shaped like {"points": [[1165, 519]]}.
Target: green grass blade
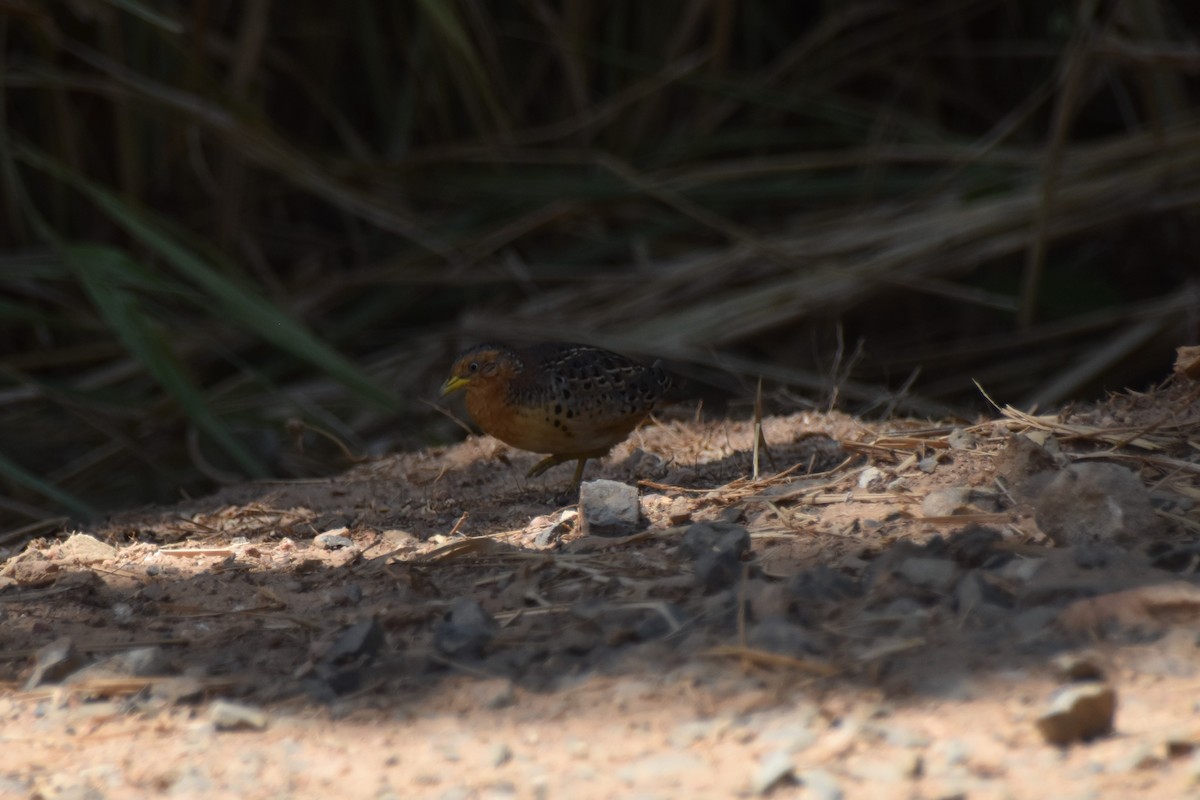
{"points": [[236, 301], [17, 474], [100, 269]]}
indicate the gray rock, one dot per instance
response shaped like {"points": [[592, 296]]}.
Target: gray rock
{"points": [[777, 634], [608, 508], [1078, 713], [1094, 502], [333, 540]]}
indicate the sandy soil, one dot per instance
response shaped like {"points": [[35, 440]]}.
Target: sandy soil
{"points": [[434, 625]]}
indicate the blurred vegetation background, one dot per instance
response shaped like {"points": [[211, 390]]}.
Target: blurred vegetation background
{"points": [[244, 238]]}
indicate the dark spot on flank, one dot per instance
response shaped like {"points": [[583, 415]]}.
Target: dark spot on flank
{"points": [[558, 408]]}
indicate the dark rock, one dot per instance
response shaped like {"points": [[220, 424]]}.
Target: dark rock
{"points": [[717, 549], [934, 574], [466, 630], [780, 635], [975, 545], [822, 585], [710, 537], [717, 570], [357, 644]]}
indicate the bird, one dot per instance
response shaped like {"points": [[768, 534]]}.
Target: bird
{"points": [[570, 402]]}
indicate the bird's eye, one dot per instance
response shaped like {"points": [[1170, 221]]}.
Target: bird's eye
{"points": [[473, 366]]}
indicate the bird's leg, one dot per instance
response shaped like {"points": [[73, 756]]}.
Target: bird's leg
{"points": [[554, 460], [545, 464], [578, 479]]}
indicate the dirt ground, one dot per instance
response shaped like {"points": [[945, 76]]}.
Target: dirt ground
{"points": [[887, 612]]}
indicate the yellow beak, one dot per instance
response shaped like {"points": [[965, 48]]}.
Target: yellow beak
{"points": [[454, 384]]}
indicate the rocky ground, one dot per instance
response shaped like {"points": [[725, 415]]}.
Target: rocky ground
{"points": [[1009, 609]]}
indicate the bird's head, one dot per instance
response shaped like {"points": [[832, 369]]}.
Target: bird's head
{"points": [[481, 364]]}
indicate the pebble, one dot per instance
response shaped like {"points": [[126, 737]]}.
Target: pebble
{"points": [[869, 476], [680, 511], [947, 501], [84, 549], [1079, 712], [228, 716]]}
